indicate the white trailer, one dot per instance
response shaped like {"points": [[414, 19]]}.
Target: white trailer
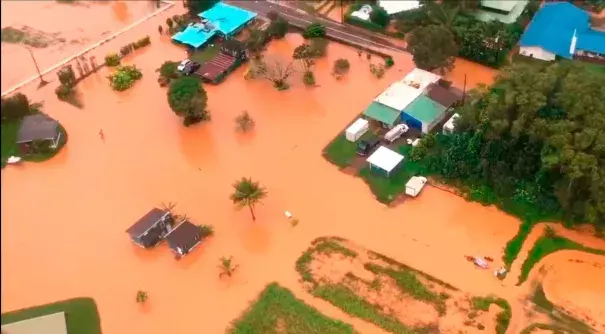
{"points": [[357, 129], [396, 132], [449, 126], [415, 185]]}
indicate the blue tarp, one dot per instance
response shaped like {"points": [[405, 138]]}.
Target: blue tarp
{"points": [[226, 18], [194, 36]]}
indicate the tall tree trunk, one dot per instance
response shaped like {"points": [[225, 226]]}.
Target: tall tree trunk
{"points": [[252, 212]]}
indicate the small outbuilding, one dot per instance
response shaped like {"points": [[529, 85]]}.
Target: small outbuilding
{"points": [[38, 128], [423, 114], [385, 160], [357, 129], [151, 228], [184, 238]]}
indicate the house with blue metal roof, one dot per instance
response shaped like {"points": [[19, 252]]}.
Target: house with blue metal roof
{"points": [[562, 29]]}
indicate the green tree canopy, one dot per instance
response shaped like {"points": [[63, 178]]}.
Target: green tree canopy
{"points": [[195, 7], [380, 16], [315, 30], [248, 193], [433, 47], [278, 27], [15, 107], [188, 99]]}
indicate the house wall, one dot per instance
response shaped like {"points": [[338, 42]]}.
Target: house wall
{"points": [[536, 52], [411, 121], [437, 120]]}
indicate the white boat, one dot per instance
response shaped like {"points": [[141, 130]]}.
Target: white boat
{"points": [[13, 160]]}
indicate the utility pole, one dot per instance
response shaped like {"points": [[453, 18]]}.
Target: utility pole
{"points": [[31, 53], [342, 15], [464, 89]]}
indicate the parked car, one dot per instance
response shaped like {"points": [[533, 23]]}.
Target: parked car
{"points": [[182, 65], [191, 67], [366, 145]]}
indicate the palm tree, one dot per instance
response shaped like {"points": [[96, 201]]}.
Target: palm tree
{"points": [[227, 267], [141, 297], [248, 193]]}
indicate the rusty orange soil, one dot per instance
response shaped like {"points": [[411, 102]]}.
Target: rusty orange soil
{"points": [[63, 220]]}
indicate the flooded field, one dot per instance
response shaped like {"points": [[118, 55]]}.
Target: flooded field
{"points": [[64, 221]]}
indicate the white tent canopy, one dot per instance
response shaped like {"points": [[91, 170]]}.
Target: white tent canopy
{"points": [[396, 6], [421, 78], [398, 96], [357, 129], [385, 159]]}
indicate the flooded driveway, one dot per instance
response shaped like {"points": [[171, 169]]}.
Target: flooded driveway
{"points": [[64, 221]]}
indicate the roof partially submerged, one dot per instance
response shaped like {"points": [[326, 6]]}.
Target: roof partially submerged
{"points": [[425, 109], [442, 95], [382, 113], [146, 222], [554, 27], [184, 236], [37, 127], [385, 159], [47, 324], [216, 66], [227, 18], [399, 95], [396, 6], [421, 78]]}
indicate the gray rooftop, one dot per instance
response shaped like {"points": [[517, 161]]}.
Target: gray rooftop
{"points": [[37, 127]]}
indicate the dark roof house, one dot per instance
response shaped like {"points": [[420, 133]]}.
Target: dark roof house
{"points": [[233, 47], [442, 95], [183, 238], [38, 127], [151, 228]]}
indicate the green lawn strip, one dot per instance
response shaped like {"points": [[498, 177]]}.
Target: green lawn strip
{"points": [[9, 132], [386, 189], [277, 310], [81, 315], [514, 245], [206, 54], [347, 300], [408, 282], [340, 151], [549, 244], [324, 245], [560, 318], [503, 318]]}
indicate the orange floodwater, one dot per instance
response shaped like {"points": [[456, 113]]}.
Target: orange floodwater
{"points": [[63, 220]]}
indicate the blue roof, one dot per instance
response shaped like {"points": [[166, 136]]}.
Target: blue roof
{"points": [[227, 18], [553, 28], [193, 35]]}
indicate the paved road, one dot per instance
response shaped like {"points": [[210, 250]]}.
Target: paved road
{"points": [[301, 18]]}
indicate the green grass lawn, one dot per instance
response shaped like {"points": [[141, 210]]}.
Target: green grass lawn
{"points": [[561, 320], [340, 151], [503, 318], [81, 315], [9, 132], [205, 54], [386, 189], [277, 310], [547, 245]]}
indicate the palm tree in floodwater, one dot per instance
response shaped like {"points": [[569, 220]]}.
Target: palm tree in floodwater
{"points": [[141, 297], [227, 267], [248, 193]]}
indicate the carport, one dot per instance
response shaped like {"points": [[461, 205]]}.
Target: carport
{"points": [[385, 160]]}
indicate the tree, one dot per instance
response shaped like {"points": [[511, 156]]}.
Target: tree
{"points": [[169, 23], [160, 29], [248, 193], [278, 28], [227, 267], [341, 66], [443, 14], [67, 76], [206, 231], [188, 100], [15, 107], [195, 7], [276, 71], [309, 78], [272, 15], [314, 30], [244, 122], [433, 47], [141, 297], [380, 16], [169, 69], [255, 43]]}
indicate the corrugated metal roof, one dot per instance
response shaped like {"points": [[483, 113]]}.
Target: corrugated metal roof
{"points": [[382, 113], [424, 109]]}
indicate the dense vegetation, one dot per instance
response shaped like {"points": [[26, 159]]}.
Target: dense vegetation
{"points": [[188, 99], [124, 77], [534, 143]]}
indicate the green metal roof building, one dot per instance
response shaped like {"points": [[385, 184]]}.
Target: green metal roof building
{"points": [[423, 113], [382, 113]]}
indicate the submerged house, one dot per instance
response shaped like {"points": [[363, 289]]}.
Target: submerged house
{"points": [[184, 238], [38, 128], [560, 29], [232, 54], [151, 228]]}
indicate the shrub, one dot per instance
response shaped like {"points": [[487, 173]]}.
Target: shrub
{"points": [[160, 29], [389, 62], [67, 76], [309, 78], [169, 22], [278, 28], [188, 99], [244, 122], [314, 30], [168, 70], [341, 66], [380, 16], [272, 15], [126, 49], [14, 107], [63, 92], [318, 47], [143, 41], [377, 70], [124, 77], [112, 60], [206, 230]]}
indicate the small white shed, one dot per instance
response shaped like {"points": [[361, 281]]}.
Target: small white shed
{"points": [[415, 185], [357, 129], [449, 126], [385, 159]]}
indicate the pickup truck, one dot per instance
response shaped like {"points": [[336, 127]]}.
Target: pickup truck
{"points": [[366, 145]]}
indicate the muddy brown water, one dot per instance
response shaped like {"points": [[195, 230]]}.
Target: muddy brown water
{"points": [[63, 220]]}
